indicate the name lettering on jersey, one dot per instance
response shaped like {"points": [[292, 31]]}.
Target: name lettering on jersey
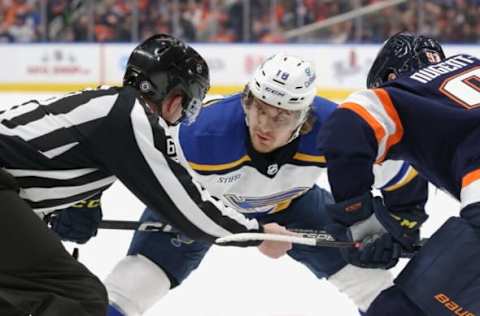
{"points": [[427, 74], [229, 179], [452, 306]]}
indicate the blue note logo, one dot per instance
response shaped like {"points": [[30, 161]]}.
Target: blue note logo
{"points": [[263, 204]]}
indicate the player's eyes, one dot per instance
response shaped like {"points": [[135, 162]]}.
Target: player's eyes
{"points": [[281, 119]]}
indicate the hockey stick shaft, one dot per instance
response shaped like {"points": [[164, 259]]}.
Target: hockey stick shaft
{"points": [[135, 225], [309, 237], [158, 226], [324, 241], [319, 235], [308, 241]]}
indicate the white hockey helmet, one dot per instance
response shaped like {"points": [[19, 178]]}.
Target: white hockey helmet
{"points": [[286, 82]]}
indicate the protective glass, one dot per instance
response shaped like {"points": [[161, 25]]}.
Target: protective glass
{"points": [[192, 102]]}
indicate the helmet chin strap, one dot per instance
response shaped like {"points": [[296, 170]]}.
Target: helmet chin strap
{"points": [[296, 132]]}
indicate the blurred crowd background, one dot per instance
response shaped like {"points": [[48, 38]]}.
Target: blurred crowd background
{"points": [[264, 21]]}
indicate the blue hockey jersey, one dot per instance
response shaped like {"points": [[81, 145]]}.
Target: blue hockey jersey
{"points": [[430, 118], [216, 149]]}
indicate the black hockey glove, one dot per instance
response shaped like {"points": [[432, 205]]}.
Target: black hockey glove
{"points": [[411, 222], [381, 233], [79, 222]]}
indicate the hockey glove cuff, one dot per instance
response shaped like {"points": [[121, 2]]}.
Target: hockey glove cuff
{"points": [[404, 226], [351, 211], [79, 222]]}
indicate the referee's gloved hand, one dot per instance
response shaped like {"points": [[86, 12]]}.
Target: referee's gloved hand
{"points": [[79, 222]]}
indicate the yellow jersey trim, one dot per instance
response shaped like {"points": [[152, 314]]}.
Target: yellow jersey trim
{"points": [[282, 206], [309, 158], [225, 166], [412, 173]]}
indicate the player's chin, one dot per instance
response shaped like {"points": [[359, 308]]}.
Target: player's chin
{"points": [[262, 147]]}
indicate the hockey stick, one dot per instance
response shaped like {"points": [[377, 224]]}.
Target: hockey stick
{"points": [[158, 226], [316, 239], [129, 225], [307, 234], [322, 241], [134, 225], [308, 237]]}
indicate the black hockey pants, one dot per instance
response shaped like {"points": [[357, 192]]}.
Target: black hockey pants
{"points": [[38, 277]]}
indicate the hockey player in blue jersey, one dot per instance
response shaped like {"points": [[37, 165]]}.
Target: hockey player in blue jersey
{"points": [[257, 152], [423, 108], [268, 173]]}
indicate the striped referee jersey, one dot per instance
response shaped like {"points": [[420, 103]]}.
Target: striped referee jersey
{"points": [[66, 149]]}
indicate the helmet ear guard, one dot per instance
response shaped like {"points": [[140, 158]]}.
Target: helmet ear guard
{"points": [[139, 81], [145, 86], [403, 53]]}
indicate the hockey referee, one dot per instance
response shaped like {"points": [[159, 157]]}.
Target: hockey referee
{"points": [[58, 152]]}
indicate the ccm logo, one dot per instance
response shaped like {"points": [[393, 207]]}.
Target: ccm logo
{"points": [[452, 306], [353, 207]]}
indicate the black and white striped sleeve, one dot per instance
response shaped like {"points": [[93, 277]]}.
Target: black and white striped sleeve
{"points": [[133, 147]]}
